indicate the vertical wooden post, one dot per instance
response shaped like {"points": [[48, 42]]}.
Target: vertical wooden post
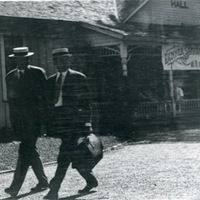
{"points": [[3, 74], [123, 54], [3, 67], [171, 82], [125, 113]]}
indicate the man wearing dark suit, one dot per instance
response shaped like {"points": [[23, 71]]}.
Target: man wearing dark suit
{"points": [[25, 85], [68, 97]]}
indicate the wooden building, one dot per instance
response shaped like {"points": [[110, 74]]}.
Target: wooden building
{"points": [[134, 52]]}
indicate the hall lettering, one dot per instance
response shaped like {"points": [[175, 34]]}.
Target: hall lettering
{"points": [[179, 4]]}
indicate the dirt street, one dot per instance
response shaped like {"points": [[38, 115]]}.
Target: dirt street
{"points": [[156, 171]]}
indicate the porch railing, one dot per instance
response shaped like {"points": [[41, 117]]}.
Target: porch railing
{"points": [[153, 109], [165, 108]]}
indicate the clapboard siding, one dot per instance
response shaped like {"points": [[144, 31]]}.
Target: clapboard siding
{"points": [[169, 12]]}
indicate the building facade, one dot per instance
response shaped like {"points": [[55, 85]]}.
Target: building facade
{"points": [[135, 53]]}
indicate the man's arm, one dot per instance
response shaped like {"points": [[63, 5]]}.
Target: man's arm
{"points": [[41, 96], [84, 109]]}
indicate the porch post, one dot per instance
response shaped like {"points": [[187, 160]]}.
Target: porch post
{"points": [[3, 74], [124, 121], [3, 67], [171, 81], [123, 54]]}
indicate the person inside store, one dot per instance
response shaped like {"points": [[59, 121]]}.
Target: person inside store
{"points": [[179, 95]]}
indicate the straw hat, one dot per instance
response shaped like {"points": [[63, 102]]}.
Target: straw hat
{"points": [[21, 52], [61, 52]]}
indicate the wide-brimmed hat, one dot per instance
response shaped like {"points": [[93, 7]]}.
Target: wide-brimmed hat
{"points": [[61, 52], [21, 52]]}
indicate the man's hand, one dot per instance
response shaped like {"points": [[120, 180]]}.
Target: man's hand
{"points": [[43, 130], [80, 140]]}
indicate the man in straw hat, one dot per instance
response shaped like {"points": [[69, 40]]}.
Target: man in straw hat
{"points": [[69, 99], [26, 99]]}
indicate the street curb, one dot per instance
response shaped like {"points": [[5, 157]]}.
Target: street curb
{"points": [[113, 148]]}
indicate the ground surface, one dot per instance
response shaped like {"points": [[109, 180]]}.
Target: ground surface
{"points": [[48, 149], [139, 171]]}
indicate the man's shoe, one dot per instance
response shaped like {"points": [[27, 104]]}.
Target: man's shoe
{"points": [[87, 188], [40, 187], [11, 192], [51, 195]]}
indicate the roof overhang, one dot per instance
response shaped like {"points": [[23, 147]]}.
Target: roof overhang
{"points": [[110, 31]]}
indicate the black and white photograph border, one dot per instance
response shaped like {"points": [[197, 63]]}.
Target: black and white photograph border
{"points": [[141, 61]]}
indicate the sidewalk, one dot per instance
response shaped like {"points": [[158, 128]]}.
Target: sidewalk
{"points": [[156, 171]]}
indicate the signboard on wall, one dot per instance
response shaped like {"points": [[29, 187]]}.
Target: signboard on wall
{"points": [[181, 57]]}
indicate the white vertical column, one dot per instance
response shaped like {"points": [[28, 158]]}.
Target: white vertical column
{"points": [[123, 54], [171, 82]]}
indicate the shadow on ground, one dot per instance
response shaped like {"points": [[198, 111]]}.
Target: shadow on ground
{"points": [[73, 197], [20, 196]]}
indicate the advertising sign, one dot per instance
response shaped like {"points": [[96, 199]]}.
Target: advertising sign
{"points": [[181, 57]]}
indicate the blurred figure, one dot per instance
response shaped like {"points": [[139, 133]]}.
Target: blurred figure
{"points": [[179, 95]]}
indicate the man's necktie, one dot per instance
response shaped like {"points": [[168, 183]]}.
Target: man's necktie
{"points": [[57, 88], [21, 75], [21, 78]]}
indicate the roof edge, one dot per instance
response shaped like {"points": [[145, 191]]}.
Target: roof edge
{"points": [[105, 30], [135, 11]]}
